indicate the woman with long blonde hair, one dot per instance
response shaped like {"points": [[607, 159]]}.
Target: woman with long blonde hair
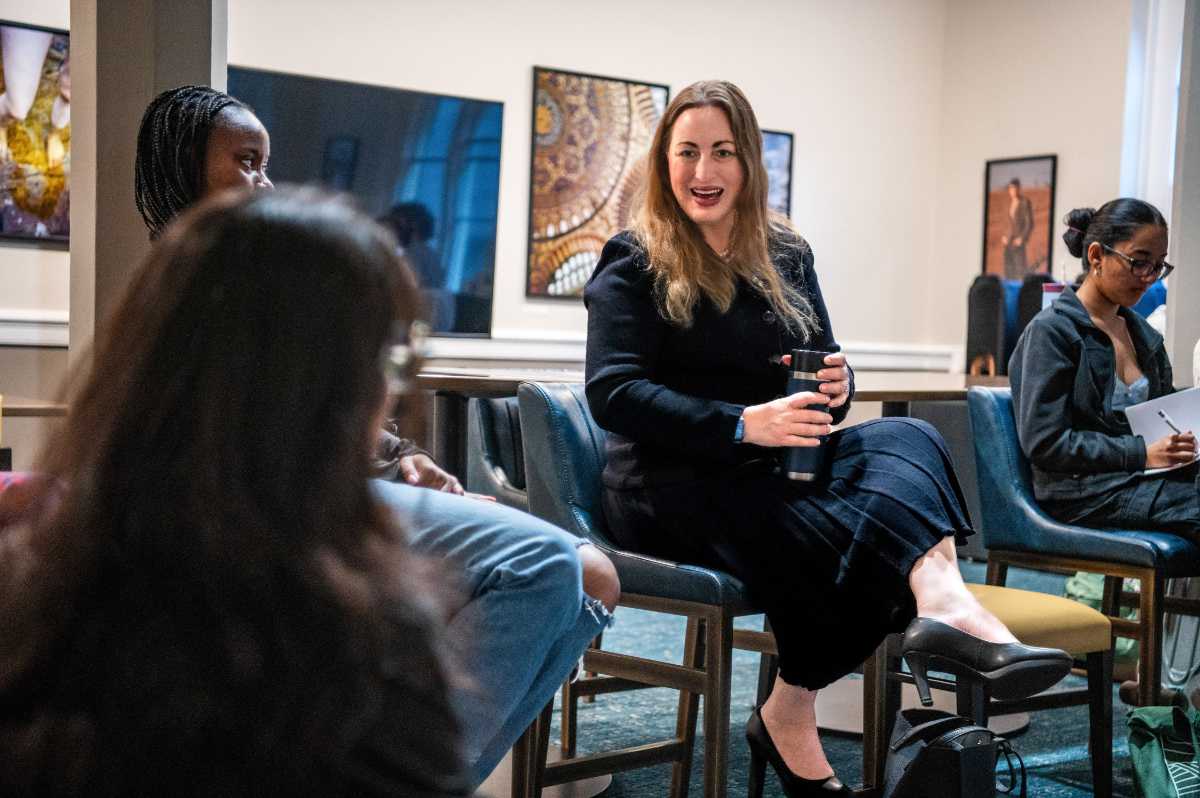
{"points": [[691, 316]]}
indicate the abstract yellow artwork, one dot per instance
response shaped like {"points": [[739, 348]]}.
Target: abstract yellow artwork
{"points": [[35, 132]]}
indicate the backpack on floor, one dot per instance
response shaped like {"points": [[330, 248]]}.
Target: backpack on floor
{"points": [[1163, 750], [934, 754]]}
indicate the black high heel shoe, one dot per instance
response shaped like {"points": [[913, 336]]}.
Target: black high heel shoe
{"points": [[763, 750], [1011, 671]]}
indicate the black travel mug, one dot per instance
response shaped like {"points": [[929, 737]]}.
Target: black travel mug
{"points": [[802, 463]]}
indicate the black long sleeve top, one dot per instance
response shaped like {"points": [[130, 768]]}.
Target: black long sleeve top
{"points": [[671, 396]]}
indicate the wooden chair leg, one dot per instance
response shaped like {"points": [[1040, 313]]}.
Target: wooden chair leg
{"points": [[541, 747], [685, 718], [522, 760], [1100, 675], [718, 662], [768, 669], [997, 572], [1150, 646], [598, 642], [891, 702], [1110, 602], [570, 720], [972, 700], [570, 709], [875, 711]]}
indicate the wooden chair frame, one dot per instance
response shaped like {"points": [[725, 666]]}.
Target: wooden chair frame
{"points": [[1151, 603], [706, 671]]}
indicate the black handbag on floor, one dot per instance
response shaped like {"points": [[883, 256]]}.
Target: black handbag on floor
{"points": [[934, 754]]}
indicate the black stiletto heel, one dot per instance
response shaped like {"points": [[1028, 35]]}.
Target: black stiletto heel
{"points": [[763, 750], [757, 776], [1011, 671], [918, 665]]}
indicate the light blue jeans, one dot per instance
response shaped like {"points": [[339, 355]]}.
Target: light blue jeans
{"points": [[527, 620]]}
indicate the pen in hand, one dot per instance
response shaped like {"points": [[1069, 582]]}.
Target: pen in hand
{"points": [[1169, 422]]}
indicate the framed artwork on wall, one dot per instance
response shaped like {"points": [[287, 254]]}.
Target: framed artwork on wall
{"points": [[590, 136], [35, 133], [1018, 216], [777, 157]]}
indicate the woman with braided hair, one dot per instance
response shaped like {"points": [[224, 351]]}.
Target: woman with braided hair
{"points": [[533, 595], [195, 140]]}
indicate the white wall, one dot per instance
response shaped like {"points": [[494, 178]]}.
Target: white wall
{"points": [[896, 106], [859, 83], [1023, 77], [34, 279]]}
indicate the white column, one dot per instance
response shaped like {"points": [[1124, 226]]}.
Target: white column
{"points": [[1183, 296], [123, 53]]}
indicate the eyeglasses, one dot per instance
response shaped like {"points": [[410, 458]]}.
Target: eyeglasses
{"points": [[1143, 268], [403, 357]]}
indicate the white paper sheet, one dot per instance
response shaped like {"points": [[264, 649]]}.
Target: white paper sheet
{"points": [[1182, 408]]}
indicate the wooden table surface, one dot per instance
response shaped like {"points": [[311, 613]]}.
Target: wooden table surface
{"points": [[20, 406], [870, 386], [452, 385]]}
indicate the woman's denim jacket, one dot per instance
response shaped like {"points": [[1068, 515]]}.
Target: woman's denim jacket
{"points": [[1062, 373]]}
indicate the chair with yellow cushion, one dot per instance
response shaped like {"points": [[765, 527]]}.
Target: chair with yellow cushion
{"points": [[1036, 619]]}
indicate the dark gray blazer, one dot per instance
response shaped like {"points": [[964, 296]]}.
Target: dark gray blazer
{"points": [[1062, 374]]}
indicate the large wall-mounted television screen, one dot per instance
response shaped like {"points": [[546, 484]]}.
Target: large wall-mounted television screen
{"points": [[35, 133], [427, 165]]}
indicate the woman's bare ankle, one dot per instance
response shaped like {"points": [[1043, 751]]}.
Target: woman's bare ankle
{"points": [[796, 739], [968, 616]]}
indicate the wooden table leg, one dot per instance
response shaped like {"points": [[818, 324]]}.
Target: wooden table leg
{"points": [[450, 432]]}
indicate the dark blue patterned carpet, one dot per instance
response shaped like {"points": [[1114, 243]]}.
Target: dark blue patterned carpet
{"points": [[1054, 746]]}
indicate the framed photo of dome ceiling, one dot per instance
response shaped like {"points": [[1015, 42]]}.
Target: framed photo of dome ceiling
{"points": [[589, 140]]}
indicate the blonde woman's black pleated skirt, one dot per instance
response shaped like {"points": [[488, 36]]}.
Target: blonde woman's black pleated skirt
{"points": [[828, 561]]}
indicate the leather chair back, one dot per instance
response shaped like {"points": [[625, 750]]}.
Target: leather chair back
{"points": [[1012, 520], [1029, 300], [496, 457], [985, 324], [563, 459], [1005, 481]]}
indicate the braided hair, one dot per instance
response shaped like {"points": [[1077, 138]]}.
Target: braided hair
{"points": [[171, 148]]}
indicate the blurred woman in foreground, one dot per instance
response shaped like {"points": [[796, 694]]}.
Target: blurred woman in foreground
{"points": [[205, 596]]}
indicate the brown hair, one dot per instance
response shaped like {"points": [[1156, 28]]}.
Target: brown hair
{"points": [[685, 268], [206, 603]]}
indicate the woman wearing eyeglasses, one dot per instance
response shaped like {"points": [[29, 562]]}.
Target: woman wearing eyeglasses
{"points": [[1085, 359]]}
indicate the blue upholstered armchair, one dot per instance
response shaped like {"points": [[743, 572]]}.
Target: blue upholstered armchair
{"points": [[1017, 532], [564, 457]]}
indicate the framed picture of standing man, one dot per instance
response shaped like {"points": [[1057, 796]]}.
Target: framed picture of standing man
{"points": [[1018, 216]]}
